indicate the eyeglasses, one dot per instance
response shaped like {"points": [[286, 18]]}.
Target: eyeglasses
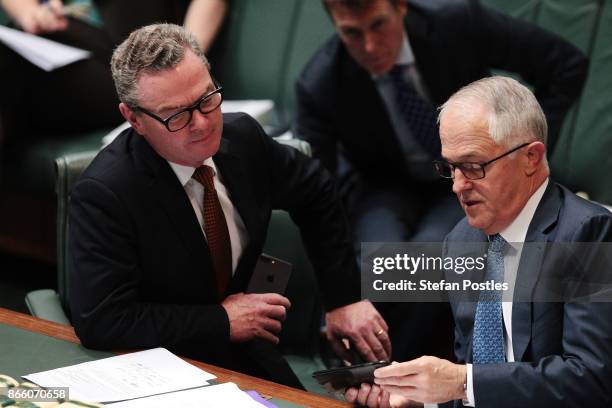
{"points": [[182, 118], [471, 171]]}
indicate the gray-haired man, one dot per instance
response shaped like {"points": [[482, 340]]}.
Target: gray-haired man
{"points": [[513, 353]]}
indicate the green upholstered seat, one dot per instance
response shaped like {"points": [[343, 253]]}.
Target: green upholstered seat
{"points": [[34, 160]]}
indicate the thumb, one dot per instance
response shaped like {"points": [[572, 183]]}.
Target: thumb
{"points": [[56, 6]]}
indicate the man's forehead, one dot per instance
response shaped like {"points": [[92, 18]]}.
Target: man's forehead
{"points": [[465, 138], [177, 86], [342, 14]]}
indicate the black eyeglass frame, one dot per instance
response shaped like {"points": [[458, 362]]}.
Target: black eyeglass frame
{"points": [[461, 166], [189, 109]]}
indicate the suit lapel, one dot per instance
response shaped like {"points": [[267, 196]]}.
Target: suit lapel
{"points": [[530, 269], [171, 196], [432, 68], [242, 196]]}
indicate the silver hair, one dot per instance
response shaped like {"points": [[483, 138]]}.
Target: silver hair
{"points": [[152, 48], [515, 116]]}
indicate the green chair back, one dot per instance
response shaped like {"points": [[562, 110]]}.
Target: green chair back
{"points": [[581, 157], [263, 47]]}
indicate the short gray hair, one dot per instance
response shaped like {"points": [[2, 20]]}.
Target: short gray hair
{"points": [[152, 48], [515, 115]]}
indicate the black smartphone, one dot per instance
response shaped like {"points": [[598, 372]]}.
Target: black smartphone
{"points": [[271, 275], [337, 379]]}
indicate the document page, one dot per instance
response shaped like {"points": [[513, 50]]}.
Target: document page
{"points": [[214, 396], [42, 52], [125, 377]]}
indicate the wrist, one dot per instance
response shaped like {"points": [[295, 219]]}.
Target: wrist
{"points": [[461, 389]]}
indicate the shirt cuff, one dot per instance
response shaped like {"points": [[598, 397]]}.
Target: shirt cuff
{"points": [[470, 401]]}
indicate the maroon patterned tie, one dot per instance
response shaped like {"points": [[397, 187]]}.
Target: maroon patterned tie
{"points": [[215, 228]]}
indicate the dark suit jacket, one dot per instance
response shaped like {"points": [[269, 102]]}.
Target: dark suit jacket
{"points": [[455, 42], [141, 274], [563, 350]]}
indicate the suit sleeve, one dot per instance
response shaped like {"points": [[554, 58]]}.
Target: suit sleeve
{"points": [[105, 276], [313, 120], [555, 69], [578, 377], [301, 186]]}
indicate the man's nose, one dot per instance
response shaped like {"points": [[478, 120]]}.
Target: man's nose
{"points": [[199, 120], [460, 182], [370, 43]]}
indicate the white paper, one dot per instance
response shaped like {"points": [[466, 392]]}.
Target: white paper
{"points": [[44, 53], [260, 109], [214, 396], [123, 377]]}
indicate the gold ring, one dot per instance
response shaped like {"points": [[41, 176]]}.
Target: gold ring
{"points": [[378, 333]]}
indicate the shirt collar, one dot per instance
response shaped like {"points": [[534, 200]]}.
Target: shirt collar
{"points": [[406, 56], [184, 173], [516, 232]]}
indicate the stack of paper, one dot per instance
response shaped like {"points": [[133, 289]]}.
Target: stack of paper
{"points": [[215, 396], [152, 378], [44, 53], [125, 377]]}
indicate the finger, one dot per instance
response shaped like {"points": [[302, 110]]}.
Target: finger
{"points": [[275, 312], [271, 325], [386, 343], [411, 393], [47, 20], [375, 343], [56, 6], [385, 399], [397, 370], [374, 397], [275, 299], [266, 335], [351, 394], [379, 319], [364, 349], [362, 395], [339, 348], [403, 381]]}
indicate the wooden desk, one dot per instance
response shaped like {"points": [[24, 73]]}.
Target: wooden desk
{"points": [[243, 381]]}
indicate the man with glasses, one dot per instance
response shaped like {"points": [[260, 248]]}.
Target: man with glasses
{"points": [[531, 352], [169, 220], [366, 103]]}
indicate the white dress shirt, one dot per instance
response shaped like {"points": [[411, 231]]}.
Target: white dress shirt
{"points": [[514, 235], [195, 191]]}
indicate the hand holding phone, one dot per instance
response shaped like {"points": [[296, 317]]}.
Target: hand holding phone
{"points": [[338, 379], [271, 275]]}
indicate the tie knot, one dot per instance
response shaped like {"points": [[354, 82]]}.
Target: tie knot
{"points": [[398, 73], [204, 175], [497, 243]]}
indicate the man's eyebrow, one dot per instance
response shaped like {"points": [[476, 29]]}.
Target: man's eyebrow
{"points": [[165, 108]]}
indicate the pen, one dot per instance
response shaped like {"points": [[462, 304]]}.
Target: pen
{"points": [[77, 10]]}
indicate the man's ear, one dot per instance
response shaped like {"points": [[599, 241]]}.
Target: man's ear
{"points": [[131, 116], [402, 7], [536, 155]]}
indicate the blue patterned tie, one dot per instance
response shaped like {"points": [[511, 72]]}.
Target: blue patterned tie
{"points": [[488, 338], [417, 112]]}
